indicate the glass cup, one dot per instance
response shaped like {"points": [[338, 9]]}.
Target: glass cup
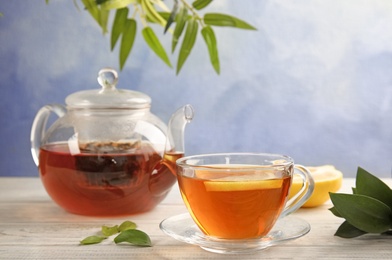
{"points": [[240, 195]]}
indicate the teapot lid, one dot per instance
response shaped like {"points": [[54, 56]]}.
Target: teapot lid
{"points": [[108, 96]]}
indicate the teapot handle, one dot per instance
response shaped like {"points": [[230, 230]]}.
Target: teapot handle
{"points": [[38, 128]]}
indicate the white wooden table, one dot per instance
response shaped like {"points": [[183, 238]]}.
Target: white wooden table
{"points": [[33, 227]]}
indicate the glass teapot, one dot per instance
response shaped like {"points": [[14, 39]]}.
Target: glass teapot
{"points": [[107, 154]]}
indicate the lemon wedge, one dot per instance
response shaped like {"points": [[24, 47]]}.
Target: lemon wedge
{"points": [[326, 179]]}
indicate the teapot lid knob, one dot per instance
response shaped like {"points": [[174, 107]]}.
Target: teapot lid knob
{"points": [[107, 78], [108, 96]]}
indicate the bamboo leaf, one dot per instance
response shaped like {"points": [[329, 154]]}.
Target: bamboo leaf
{"points": [[363, 212], [180, 25], [116, 4], [346, 230], [369, 185], [162, 5], [154, 43], [127, 40], [152, 13], [200, 4], [99, 15], [164, 15], [187, 43], [133, 236], [93, 9], [118, 26], [103, 20], [99, 2], [210, 39], [172, 16], [217, 19]]}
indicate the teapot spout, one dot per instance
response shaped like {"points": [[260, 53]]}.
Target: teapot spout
{"points": [[176, 127], [164, 175]]}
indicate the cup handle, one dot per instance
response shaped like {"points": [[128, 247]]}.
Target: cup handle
{"points": [[303, 194]]}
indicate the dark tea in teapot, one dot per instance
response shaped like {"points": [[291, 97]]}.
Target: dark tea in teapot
{"points": [[106, 179], [107, 154]]}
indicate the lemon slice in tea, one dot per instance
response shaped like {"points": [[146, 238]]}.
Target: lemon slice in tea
{"points": [[326, 179], [241, 184]]}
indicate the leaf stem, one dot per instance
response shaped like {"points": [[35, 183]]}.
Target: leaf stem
{"points": [[142, 15], [161, 4], [190, 7], [135, 11]]}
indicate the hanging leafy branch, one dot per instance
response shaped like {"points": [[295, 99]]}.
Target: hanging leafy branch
{"points": [[184, 17]]}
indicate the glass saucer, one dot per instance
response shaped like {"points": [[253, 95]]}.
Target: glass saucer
{"points": [[182, 228]]}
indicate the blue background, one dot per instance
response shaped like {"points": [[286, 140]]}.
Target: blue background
{"points": [[313, 82]]}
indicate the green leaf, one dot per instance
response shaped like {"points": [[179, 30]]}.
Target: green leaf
{"points": [[180, 25], [172, 16], [369, 185], [153, 41], [118, 26], [116, 4], [187, 43], [126, 225], [133, 236], [210, 39], [152, 13], [103, 20], [99, 15], [93, 9], [108, 231], [127, 40], [363, 212], [92, 240], [200, 4], [335, 212], [164, 15], [346, 230], [217, 19]]}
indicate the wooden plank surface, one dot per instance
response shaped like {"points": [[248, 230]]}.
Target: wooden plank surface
{"points": [[33, 227]]}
